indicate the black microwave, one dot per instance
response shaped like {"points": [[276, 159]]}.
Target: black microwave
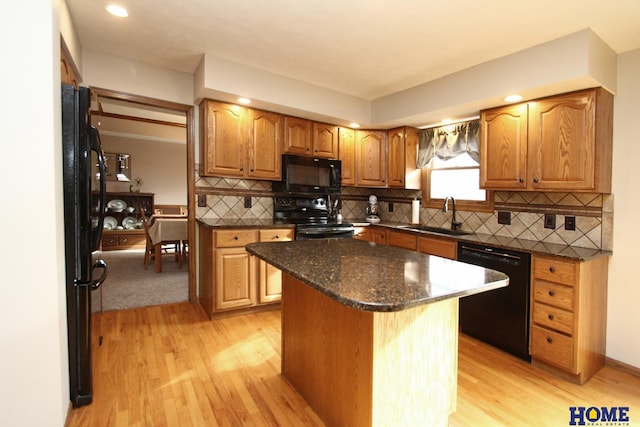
{"points": [[314, 175]]}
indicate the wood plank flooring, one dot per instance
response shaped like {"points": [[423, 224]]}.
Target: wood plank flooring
{"points": [[171, 366]]}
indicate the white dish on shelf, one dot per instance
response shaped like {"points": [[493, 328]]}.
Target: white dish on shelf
{"points": [[130, 222], [110, 223], [117, 205]]}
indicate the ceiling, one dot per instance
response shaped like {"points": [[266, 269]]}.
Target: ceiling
{"points": [[363, 48]]}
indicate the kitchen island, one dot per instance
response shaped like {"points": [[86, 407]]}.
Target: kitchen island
{"points": [[370, 332]]}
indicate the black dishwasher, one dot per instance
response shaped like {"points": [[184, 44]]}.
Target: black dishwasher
{"points": [[499, 317]]}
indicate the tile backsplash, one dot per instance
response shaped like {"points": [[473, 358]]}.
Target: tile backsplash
{"points": [[225, 198]]}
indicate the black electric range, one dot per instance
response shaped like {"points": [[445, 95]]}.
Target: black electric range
{"points": [[314, 216]]}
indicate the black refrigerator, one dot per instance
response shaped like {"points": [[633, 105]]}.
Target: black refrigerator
{"points": [[83, 224]]}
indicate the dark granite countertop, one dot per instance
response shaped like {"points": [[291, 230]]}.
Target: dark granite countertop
{"points": [[367, 276], [529, 246]]}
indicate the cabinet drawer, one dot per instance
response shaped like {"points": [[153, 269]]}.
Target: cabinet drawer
{"points": [[109, 241], [276, 235], [555, 295], [554, 270], [552, 347], [439, 247], [131, 240], [402, 240], [554, 318], [235, 238], [361, 233]]}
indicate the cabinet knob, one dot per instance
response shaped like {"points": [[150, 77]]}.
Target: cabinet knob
{"points": [[277, 236], [552, 269], [550, 317], [552, 293], [549, 340], [521, 180], [235, 237], [536, 180]]}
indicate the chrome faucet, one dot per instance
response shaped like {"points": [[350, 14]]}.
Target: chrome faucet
{"points": [[454, 224]]}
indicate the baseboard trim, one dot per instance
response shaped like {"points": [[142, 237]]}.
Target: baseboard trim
{"points": [[630, 369]]}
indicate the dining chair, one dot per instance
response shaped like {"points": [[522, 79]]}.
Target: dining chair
{"points": [[149, 253]]}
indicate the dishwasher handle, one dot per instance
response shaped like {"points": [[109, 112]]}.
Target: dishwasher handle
{"points": [[490, 252]]}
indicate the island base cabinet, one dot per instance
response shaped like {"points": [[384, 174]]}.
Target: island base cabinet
{"points": [[363, 368]]}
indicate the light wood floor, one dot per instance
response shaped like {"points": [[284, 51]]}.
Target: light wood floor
{"points": [[171, 366]]}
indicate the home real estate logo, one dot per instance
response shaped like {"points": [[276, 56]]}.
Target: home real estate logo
{"points": [[598, 416]]}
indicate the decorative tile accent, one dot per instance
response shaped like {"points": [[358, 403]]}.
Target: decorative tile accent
{"points": [[593, 230]]}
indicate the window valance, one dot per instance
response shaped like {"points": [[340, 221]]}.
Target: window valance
{"points": [[447, 142]]}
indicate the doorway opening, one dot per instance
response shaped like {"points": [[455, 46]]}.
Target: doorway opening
{"points": [[156, 139]]}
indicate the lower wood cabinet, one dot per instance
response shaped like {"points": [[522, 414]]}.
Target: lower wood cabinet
{"points": [[230, 277], [123, 239], [378, 235], [568, 315], [362, 233], [399, 239], [442, 247]]}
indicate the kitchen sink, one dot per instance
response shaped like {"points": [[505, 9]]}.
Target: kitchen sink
{"points": [[438, 230]]}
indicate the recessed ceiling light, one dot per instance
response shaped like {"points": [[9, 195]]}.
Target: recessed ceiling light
{"points": [[116, 10], [354, 125], [512, 98], [244, 101]]}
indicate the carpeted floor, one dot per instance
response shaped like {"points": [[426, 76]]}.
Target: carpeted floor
{"points": [[129, 285]]}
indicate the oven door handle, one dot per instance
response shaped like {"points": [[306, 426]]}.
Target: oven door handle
{"points": [[323, 231]]}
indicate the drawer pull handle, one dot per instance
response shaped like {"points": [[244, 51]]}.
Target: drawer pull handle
{"points": [[550, 317], [552, 269], [552, 293], [549, 340]]}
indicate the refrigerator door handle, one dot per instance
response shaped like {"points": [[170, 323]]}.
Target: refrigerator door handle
{"points": [[95, 284], [96, 146]]}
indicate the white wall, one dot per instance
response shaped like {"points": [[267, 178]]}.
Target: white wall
{"points": [[33, 368], [623, 321], [161, 165], [117, 73]]}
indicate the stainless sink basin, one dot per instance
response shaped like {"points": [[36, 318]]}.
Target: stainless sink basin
{"points": [[438, 230]]}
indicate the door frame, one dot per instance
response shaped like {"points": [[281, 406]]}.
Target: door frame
{"points": [[190, 128]]}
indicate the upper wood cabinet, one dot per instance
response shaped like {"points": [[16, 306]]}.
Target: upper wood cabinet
{"points": [[403, 154], [67, 74], [560, 143], [240, 142], [308, 138], [347, 154], [325, 140], [265, 145], [371, 158], [297, 136]]}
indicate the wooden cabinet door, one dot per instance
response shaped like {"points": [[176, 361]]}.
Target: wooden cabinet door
{"points": [[371, 158], [396, 158], [325, 140], [347, 154], [235, 278], [503, 144], [223, 138], [270, 277], [378, 235], [297, 136], [270, 283], [264, 145], [562, 142]]}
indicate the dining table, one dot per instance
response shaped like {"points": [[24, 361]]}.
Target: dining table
{"points": [[167, 228]]}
